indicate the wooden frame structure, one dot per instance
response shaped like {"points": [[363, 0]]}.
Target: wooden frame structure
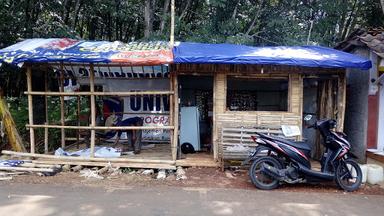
{"points": [[222, 118], [173, 126]]}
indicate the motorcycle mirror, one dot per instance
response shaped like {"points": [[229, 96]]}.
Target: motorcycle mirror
{"points": [[308, 117]]}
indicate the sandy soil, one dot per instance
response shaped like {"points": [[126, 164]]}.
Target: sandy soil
{"points": [[196, 177]]}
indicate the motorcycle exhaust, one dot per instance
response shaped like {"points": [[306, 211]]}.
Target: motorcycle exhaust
{"points": [[273, 172]]}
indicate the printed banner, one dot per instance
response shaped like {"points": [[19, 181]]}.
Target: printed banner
{"points": [[70, 50]]}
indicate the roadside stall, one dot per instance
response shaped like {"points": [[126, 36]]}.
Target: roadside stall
{"points": [[102, 80], [199, 102]]}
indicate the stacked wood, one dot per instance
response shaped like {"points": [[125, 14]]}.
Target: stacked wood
{"points": [[96, 162], [26, 167]]}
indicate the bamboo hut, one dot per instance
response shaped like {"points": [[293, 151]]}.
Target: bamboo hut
{"points": [[234, 90]]}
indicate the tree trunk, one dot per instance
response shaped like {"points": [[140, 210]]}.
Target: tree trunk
{"points": [[148, 21], [27, 25], [78, 6], [164, 18], [184, 13], [67, 10], [382, 5], [347, 25]]}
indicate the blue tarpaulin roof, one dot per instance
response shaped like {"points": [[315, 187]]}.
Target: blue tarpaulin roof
{"points": [[156, 53], [307, 56]]}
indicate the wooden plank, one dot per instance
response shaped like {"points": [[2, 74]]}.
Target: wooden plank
{"points": [[103, 127], [118, 160], [374, 156], [196, 163], [27, 169], [46, 135], [62, 117], [133, 93], [30, 109], [113, 164]]}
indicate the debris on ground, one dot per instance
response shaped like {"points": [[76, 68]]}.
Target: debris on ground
{"points": [[229, 175], [148, 172], [90, 174], [161, 174], [180, 174], [114, 172], [17, 167]]}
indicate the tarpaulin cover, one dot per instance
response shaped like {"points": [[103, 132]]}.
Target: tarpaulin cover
{"points": [[156, 53], [307, 56], [69, 50]]}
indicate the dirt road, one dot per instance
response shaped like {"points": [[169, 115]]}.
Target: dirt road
{"points": [[42, 199]]}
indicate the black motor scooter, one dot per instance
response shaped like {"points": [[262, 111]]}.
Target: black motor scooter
{"points": [[277, 160]]}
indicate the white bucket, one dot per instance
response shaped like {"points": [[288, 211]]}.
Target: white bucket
{"points": [[364, 170], [375, 174]]}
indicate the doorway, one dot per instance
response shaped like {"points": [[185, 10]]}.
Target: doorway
{"points": [[320, 101], [196, 116]]}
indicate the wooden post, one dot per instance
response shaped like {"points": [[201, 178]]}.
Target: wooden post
{"points": [[30, 109], [341, 100], [171, 112], [78, 122], [46, 114], [175, 115], [62, 117], [172, 36], [93, 108], [219, 107]]}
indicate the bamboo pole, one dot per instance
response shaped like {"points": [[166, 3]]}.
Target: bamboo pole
{"points": [[93, 109], [30, 109], [341, 100], [78, 121], [172, 36], [62, 117], [72, 158], [28, 169], [171, 112], [102, 127], [176, 117], [100, 93], [114, 164], [46, 138]]}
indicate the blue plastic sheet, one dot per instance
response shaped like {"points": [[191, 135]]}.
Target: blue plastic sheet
{"points": [[157, 52], [307, 56]]}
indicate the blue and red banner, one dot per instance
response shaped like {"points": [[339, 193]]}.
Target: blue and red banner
{"points": [[70, 50]]}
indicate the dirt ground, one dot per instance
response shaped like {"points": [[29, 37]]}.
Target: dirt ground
{"points": [[196, 177]]}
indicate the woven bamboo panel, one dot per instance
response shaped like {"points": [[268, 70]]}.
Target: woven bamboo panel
{"points": [[237, 143]]}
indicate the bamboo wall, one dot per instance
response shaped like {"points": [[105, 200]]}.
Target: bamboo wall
{"points": [[223, 118]]}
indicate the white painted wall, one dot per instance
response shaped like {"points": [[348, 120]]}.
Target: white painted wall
{"points": [[380, 144]]}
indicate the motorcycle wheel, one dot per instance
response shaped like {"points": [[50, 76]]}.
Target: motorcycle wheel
{"points": [[348, 175], [261, 180]]}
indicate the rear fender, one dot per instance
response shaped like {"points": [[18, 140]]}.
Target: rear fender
{"points": [[260, 151]]}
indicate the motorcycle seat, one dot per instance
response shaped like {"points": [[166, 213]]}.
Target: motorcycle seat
{"points": [[297, 144]]}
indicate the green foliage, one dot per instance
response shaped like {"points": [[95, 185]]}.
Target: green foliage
{"points": [[19, 111], [253, 22]]}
